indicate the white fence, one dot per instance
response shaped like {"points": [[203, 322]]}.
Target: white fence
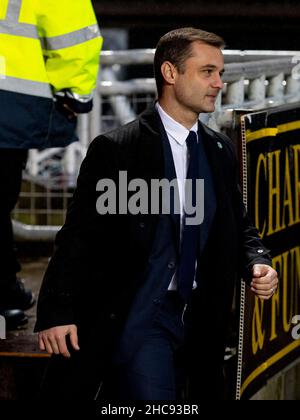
{"points": [[252, 80]]}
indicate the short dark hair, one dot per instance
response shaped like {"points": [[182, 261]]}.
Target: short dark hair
{"points": [[175, 46]]}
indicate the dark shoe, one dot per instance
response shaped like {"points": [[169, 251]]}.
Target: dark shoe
{"points": [[17, 297], [14, 318]]}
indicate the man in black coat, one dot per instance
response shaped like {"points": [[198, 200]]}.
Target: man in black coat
{"points": [[132, 295]]}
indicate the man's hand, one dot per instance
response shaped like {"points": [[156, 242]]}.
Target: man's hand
{"points": [[53, 340], [264, 281]]}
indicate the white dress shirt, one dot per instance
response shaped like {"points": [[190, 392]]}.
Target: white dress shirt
{"points": [[177, 135]]}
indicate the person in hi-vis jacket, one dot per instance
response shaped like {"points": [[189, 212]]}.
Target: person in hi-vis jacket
{"points": [[49, 60]]}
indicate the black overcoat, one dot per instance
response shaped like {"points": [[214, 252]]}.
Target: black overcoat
{"points": [[99, 260]]}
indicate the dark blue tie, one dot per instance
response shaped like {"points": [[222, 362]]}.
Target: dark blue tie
{"points": [[190, 233]]}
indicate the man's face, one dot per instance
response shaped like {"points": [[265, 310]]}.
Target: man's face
{"points": [[198, 86]]}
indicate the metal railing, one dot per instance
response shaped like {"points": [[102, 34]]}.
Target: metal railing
{"points": [[252, 80]]}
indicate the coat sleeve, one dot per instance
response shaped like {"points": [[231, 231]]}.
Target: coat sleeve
{"points": [[76, 243], [71, 43], [252, 249]]}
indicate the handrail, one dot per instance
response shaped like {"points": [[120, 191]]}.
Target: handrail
{"points": [[146, 56], [254, 69], [127, 57], [128, 87]]}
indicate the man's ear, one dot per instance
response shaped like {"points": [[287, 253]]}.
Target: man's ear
{"points": [[168, 72]]}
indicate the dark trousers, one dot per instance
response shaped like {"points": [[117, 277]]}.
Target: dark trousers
{"points": [[12, 163], [153, 373]]}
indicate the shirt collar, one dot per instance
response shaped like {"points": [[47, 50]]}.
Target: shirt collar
{"points": [[177, 131]]}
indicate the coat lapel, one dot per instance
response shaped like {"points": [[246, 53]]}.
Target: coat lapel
{"points": [[156, 159], [214, 156]]}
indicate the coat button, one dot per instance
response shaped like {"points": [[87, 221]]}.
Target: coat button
{"points": [[171, 265], [112, 316], [142, 225], [156, 301]]}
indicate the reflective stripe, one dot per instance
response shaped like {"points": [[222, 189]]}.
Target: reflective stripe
{"points": [[71, 39], [22, 29], [28, 87], [80, 98], [13, 10]]}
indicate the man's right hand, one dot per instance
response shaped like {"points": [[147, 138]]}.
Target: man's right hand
{"points": [[53, 340]]}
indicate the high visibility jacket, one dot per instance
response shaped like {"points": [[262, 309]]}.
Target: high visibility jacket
{"points": [[49, 56]]}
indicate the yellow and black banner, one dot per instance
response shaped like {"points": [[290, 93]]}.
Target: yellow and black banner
{"points": [[270, 334]]}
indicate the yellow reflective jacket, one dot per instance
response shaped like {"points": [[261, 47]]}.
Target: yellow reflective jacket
{"points": [[49, 55]]}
